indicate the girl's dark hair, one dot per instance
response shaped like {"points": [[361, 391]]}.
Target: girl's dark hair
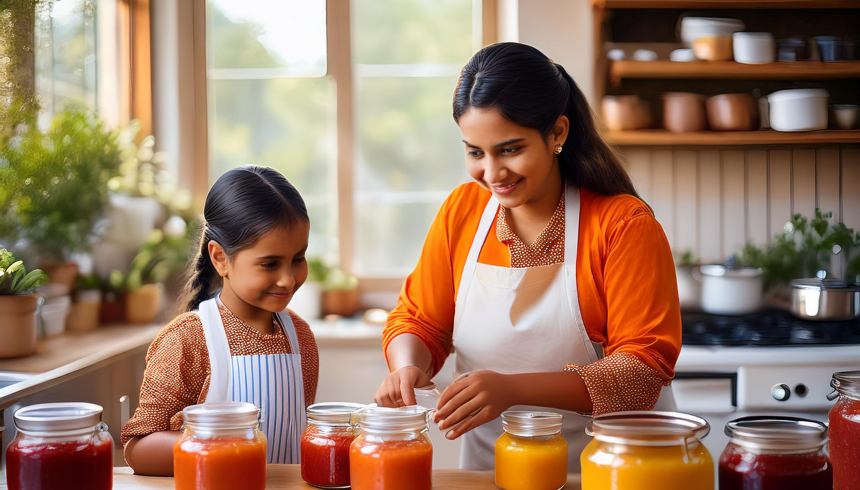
{"points": [[528, 89], [243, 205]]}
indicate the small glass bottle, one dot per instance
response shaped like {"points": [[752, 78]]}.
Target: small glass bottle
{"points": [[531, 454], [221, 448], [845, 430], [775, 453], [325, 444], [393, 450], [60, 445]]}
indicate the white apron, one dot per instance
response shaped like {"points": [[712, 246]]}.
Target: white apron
{"points": [[523, 320], [271, 382]]}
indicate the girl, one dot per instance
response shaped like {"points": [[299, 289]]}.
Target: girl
{"points": [[250, 262], [548, 276]]}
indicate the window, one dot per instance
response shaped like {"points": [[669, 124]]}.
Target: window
{"points": [[273, 97]]}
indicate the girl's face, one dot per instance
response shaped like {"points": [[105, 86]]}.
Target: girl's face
{"points": [[267, 274], [515, 163]]}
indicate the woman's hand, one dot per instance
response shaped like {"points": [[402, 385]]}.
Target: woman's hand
{"points": [[398, 388], [473, 400]]}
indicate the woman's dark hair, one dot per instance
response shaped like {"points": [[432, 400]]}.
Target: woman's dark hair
{"points": [[528, 89], [244, 204]]}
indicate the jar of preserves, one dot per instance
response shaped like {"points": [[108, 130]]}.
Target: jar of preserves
{"points": [[392, 451], [60, 445], [775, 453], [221, 448], [845, 430], [647, 451], [531, 454], [325, 444]]}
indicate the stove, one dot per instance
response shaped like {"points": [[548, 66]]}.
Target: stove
{"points": [[767, 328]]}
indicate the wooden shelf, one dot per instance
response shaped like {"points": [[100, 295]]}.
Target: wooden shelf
{"points": [[726, 4], [725, 70], [657, 137]]}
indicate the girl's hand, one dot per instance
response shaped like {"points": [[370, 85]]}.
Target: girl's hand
{"points": [[473, 400], [398, 388]]}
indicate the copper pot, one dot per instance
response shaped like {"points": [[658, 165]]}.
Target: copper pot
{"points": [[684, 112], [625, 112], [732, 112]]}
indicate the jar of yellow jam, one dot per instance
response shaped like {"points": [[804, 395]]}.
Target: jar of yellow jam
{"points": [[531, 454], [647, 451]]}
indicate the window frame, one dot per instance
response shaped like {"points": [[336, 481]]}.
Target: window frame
{"points": [[340, 69]]}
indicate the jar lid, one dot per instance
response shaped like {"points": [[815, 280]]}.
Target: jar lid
{"points": [[56, 417], [846, 383], [222, 415], [777, 433], [715, 270], [383, 419], [531, 424], [643, 428], [333, 413], [798, 93]]}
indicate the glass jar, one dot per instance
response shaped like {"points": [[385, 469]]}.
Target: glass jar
{"points": [[60, 445], [775, 453], [393, 450], [531, 454], [845, 430], [647, 451], [221, 448], [325, 444]]}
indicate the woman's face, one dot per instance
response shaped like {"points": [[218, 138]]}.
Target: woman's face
{"points": [[515, 163]]}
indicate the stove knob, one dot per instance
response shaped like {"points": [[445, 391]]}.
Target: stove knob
{"points": [[780, 392]]}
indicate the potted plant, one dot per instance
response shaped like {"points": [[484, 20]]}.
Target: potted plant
{"points": [[84, 314], [18, 306], [340, 294], [307, 302]]}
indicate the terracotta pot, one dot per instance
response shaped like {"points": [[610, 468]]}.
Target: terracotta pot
{"points": [[143, 305], [625, 112], [732, 112], [18, 324], [343, 302], [112, 308], [715, 48], [84, 316], [62, 277], [684, 112]]}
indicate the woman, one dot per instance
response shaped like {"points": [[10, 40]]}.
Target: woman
{"points": [[548, 276]]}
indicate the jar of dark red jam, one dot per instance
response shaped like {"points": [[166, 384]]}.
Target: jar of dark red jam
{"points": [[325, 444], [775, 453], [60, 445], [845, 430]]}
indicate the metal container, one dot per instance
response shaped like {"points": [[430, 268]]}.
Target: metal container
{"points": [[824, 299]]}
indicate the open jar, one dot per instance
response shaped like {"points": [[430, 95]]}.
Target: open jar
{"points": [[531, 454], [221, 448], [325, 444], [775, 453], [647, 451], [60, 445], [393, 450], [845, 430]]}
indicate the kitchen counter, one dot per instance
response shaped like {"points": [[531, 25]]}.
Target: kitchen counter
{"points": [[289, 476]]}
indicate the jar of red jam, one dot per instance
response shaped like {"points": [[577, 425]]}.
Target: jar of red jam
{"points": [[775, 453], [393, 450], [845, 430], [60, 445], [325, 444], [221, 448]]}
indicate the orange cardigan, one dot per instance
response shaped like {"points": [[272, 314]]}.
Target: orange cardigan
{"points": [[624, 270]]}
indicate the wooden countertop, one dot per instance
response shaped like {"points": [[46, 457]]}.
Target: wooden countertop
{"points": [[289, 476]]}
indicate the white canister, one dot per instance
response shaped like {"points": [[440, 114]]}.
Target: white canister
{"points": [[754, 48], [798, 109], [689, 288], [730, 291]]}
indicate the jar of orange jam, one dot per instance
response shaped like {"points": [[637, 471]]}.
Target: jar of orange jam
{"points": [[531, 454], [845, 430], [647, 451], [221, 448], [392, 451]]}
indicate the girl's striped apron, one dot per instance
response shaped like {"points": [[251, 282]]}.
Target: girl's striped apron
{"points": [[272, 382]]}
